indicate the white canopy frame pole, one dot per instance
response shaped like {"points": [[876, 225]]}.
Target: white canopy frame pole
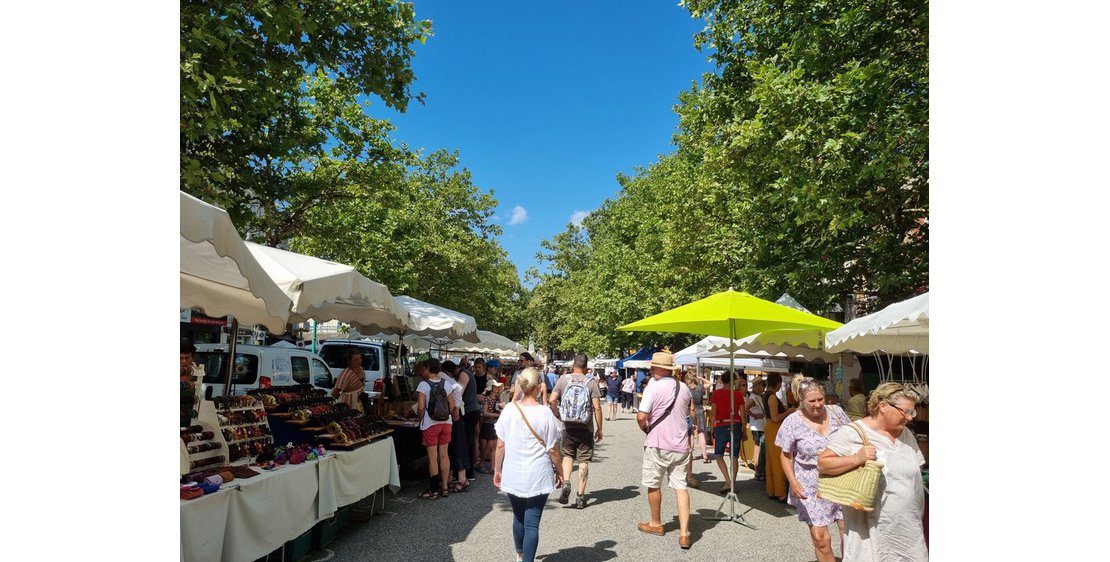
{"points": [[731, 497]]}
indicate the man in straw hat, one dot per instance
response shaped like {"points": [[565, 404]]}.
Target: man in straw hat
{"points": [[662, 416]]}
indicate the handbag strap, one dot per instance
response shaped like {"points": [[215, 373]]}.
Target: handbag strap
{"points": [[860, 432], [666, 412], [525, 418]]}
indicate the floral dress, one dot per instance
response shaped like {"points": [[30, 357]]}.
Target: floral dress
{"points": [[795, 436]]}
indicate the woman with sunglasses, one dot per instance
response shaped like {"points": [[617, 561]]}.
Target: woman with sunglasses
{"points": [[894, 530], [803, 435]]}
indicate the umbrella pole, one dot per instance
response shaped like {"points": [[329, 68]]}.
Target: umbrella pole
{"points": [[731, 497]]}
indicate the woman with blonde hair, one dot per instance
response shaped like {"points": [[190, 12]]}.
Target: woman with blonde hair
{"points": [[894, 530], [525, 460], [803, 435]]}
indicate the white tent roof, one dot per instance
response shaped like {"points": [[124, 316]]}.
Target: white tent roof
{"points": [[219, 275], [787, 300], [899, 328], [753, 346], [489, 342], [432, 321], [324, 290], [688, 356], [764, 364]]}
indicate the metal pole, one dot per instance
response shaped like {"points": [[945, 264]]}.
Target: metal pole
{"points": [[731, 497], [231, 353]]}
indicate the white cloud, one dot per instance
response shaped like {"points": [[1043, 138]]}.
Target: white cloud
{"points": [[577, 216], [520, 214]]}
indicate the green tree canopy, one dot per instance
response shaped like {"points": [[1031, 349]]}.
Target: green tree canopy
{"points": [[801, 167], [274, 129], [272, 97]]}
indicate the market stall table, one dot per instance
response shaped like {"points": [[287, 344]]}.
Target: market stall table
{"points": [[407, 441], [251, 517]]}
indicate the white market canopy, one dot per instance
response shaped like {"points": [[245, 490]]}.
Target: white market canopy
{"points": [[430, 321], [220, 276], [324, 290], [771, 365], [899, 328], [756, 345], [689, 355], [488, 343]]}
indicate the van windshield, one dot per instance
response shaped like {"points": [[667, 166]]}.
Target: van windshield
{"points": [[336, 356], [215, 367]]}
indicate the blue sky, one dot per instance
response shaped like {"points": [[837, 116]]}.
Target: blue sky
{"points": [[547, 102]]}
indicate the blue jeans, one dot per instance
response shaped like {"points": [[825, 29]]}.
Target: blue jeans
{"points": [[526, 523], [720, 437]]}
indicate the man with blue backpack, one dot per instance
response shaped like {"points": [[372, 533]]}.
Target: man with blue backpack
{"points": [[577, 402]]}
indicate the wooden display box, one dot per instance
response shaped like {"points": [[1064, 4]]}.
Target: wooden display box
{"points": [[402, 407]]}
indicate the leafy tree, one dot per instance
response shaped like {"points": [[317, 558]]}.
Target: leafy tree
{"points": [[272, 97], [426, 234], [274, 129], [818, 125], [801, 167]]}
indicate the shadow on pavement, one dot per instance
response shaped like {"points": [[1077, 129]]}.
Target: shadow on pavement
{"points": [[611, 495], [600, 551]]}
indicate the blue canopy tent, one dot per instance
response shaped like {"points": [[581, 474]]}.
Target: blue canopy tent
{"points": [[644, 354], [641, 361]]}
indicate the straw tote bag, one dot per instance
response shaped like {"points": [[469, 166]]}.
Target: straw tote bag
{"points": [[858, 489]]}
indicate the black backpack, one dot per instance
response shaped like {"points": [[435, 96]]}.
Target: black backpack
{"points": [[438, 407]]}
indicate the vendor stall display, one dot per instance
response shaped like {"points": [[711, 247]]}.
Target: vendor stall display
{"points": [[190, 396], [203, 442], [243, 425], [303, 414]]}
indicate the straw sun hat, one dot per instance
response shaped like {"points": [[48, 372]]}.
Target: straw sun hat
{"points": [[663, 360]]}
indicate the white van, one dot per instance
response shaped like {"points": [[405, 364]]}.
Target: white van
{"points": [[378, 358], [260, 366]]}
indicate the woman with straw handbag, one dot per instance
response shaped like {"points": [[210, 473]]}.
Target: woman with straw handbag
{"points": [[803, 435], [893, 529]]}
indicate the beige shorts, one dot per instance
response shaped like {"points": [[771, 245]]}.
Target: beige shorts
{"points": [[658, 462]]}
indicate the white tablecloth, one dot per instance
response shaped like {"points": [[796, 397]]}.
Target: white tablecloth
{"points": [[202, 526], [252, 517], [349, 477]]}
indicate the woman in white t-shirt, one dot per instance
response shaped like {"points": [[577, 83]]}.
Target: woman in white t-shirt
{"points": [[523, 465]]}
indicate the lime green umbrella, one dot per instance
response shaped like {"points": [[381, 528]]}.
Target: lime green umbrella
{"points": [[732, 315]]}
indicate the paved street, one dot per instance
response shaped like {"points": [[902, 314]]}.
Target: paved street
{"points": [[476, 524]]}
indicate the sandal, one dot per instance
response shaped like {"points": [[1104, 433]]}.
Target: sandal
{"points": [[430, 494], [459, 487], [444, 493]]}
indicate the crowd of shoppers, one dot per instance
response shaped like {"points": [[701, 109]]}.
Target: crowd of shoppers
{"points": [[532, 435]]}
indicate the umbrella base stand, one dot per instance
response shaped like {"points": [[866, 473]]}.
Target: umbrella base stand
{"points": [[732, 500]]}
